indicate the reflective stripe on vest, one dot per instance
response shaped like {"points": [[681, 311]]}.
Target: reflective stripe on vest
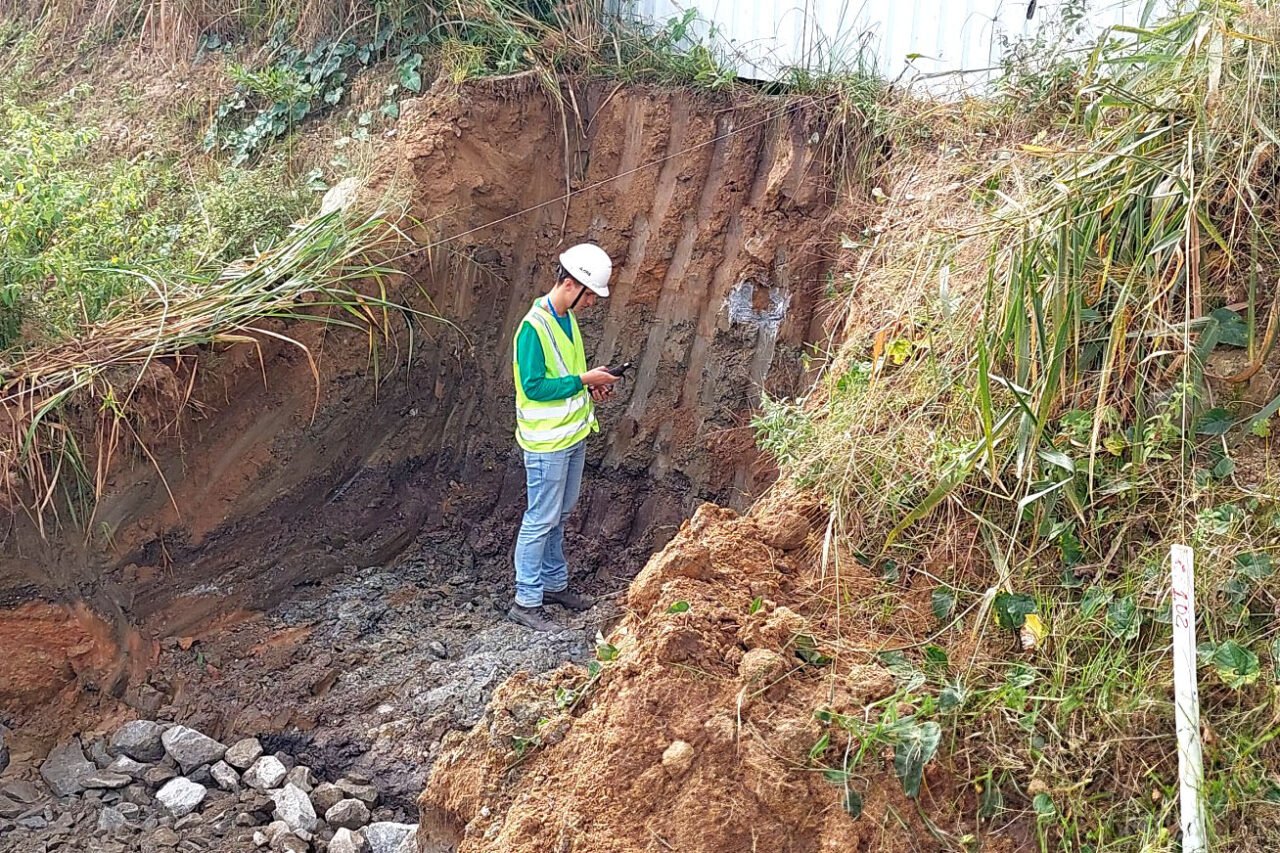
{"points": [[545, 427]]}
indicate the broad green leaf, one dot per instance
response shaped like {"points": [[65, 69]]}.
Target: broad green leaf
{"points": [[943, 601], [756, 604], [935, 656], [679, 607], [1123, 619], [1224, 468], [606, 652], [1012, 609], [1216, 421], [1044, 807], [1095, 598], [950, 697], [1232, 330], [1235, 665], [916, 746], [1255, 564], [853, 803]]}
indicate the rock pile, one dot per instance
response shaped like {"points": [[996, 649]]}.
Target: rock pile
{"points": [[154, 787]]}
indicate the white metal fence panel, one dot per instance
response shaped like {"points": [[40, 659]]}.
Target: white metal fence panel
{"points": [[948, 41]]}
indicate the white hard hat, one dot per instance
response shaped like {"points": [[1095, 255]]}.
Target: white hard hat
{"points": [[589, 265]]}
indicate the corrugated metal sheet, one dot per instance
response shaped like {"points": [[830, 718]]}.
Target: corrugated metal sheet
{"points": [[925, 39]]}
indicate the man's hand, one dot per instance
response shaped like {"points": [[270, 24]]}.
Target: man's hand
{"points": [[598, 377], [602, 393]]}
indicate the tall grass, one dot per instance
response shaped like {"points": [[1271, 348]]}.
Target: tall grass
{"points": [[1043, 387], [68, 408]]}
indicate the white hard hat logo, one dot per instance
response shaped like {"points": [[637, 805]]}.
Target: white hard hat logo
{"points": [[590, 265]]}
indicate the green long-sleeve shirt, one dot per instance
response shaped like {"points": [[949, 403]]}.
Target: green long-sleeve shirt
{"points": [[533, 366]]}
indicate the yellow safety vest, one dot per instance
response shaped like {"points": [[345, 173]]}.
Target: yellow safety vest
{"points": [[545, 427]]}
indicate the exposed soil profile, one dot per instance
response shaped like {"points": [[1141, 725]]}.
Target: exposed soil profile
{"points": [[715, 209]]}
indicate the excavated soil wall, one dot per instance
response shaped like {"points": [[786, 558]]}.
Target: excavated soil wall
{"points": [[715, 211]]}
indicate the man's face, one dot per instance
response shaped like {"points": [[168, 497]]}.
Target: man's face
{"points": [[586, 300]]}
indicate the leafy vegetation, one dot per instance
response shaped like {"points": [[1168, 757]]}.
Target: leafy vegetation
{"points": [[77, 236], [1057, 390]]}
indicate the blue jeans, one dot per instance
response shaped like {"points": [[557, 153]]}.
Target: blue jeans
{"points": [[553, 481]]}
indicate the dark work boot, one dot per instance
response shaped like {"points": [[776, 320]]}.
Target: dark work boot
{"points": [[531, 617], [571, 600]]}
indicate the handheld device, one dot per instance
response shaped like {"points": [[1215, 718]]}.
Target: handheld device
{"points": [[620, 370]]}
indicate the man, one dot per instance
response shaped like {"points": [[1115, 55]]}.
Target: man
{"points": [[554, 416]]}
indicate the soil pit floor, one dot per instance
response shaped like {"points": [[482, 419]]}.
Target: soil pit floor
{"points": [[361, 674]]}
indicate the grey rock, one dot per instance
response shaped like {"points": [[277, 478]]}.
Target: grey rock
{"points": [[351, 814], [181, 796], [158, 774], [128, 767], [387, 836], [437, 648], [111, 821], [302, 777], [286, 759], [293, 806], [64, 768], [34, 821], [164, 837], [275, 829], [23, 792], [226, 777], [360, 790], [137, 794], [346, 841], [410, 843], [11, 809], [243, 753], [140, 740], [129, 810], [246, 819], [327, 795], [104, 779], [98, 753], [266, 772], [260, 838], [290, 843], [187, 821], [190, 748], [4, 749], [201, 776]]}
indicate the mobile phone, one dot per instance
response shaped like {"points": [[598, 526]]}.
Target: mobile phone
{"points": [[620, 370]]}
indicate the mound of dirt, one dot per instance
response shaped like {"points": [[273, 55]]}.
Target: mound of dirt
{"points": [[700, 735]]}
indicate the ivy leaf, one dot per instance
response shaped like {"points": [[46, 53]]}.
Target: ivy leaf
{"points": [[1232, 330], [1123, 619], [1044, 807], [950, 697], [1235, 665], [1255, 564], [1225, 467], [606, 652], [1095, 598], [916, 747], [1012, 609], [943, 601], [1216, 421]]}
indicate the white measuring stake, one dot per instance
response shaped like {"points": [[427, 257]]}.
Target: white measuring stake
{"points": [[1186, 701]]}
